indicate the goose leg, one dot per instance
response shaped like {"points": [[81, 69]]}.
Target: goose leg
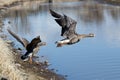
{"points": [[30, 59]]}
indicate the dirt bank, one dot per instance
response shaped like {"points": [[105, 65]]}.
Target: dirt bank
{"points": [[8, 68], [11, 66]]}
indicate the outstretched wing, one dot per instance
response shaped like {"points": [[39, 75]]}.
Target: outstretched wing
{"points": [[68, 24], [54, 14], [70, 33], [61, 21], [23, 41], [59, 18]]}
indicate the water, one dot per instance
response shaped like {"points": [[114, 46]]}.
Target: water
{"points": [[95, 58]]}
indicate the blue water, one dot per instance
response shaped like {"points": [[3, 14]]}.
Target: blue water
{"points": [[95, 58]]}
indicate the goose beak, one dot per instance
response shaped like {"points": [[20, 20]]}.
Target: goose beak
{"points": [[92, 35]]}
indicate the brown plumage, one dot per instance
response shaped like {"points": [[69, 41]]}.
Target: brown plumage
{"points": [[31, 47], [68, 26]]}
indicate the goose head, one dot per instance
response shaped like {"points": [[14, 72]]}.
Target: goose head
{"points": [[80, 36], [91, 35]]}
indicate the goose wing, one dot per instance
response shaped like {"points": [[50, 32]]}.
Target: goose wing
{"points": [[69, 27], [54, 14], [59, 18], [23, 41], [70, 33], [68, 24]]}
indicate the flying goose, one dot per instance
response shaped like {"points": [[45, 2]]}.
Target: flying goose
{"points": [[31, 47], [68, 26]]}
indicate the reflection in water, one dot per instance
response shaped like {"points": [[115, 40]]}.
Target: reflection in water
{"points": [[92, 13], [115, 13], [91, 59], [87, 13], [21, 17]]}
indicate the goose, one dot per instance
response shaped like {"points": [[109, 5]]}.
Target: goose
{"points": [[31, 47], [68, 26]]}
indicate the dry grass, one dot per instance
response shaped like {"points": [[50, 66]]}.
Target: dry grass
{"points": [[2, 2], [13, 68], [7, 64], [9, 68]]}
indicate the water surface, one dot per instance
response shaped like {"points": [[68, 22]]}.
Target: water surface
{"points": [[95, 58]]}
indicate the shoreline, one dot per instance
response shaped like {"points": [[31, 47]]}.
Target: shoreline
{"points": [[10, 63], [112, 2], [12, 67]]}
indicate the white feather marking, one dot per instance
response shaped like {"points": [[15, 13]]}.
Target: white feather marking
{"points": [[28, 57], [64, 41], [30, 54], [25, 59]]}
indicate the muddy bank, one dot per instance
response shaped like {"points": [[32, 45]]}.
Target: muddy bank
{"points": [[11, 66]]}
